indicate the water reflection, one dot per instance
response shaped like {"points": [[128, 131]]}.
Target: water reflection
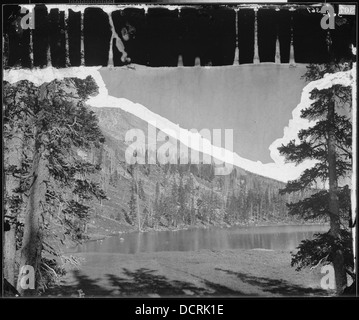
{"points": [[274, 238]]}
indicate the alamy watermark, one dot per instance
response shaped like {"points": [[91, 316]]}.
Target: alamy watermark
{"points": [[27, 277], [28, 20], [328, 21], [327, 282], [181, 147]]}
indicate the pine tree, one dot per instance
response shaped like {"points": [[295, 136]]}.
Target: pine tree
{"points": [[146, 156], [328, 141], [141, 192], [133, 170], [18, 100], [182, 200], [173, 203], [231, 208], [266, 203], [132, 204], [126, 216], [156, 204], [242, 202], [215, 204], [114, 178], [189, 192], [194, 169], [57, 181]]}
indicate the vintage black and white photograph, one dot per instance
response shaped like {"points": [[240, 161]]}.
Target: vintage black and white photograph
{"points": [[186, 150]]}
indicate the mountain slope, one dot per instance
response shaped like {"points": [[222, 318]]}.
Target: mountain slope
{"points": [[163, 196], [175, 195]]}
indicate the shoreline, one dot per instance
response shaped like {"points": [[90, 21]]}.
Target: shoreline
{"points": [[198, 273], [98, 237]]}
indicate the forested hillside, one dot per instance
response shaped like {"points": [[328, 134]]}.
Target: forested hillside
{"points": [[177, 195], [147, 196]]}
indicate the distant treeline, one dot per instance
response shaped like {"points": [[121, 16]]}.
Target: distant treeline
{"points": [[174, 195]]}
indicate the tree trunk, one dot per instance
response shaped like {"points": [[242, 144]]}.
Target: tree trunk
{"points": [[137, 200], [32, 240], [9, 254], [338, 261], [355, 169], [14, 157]]}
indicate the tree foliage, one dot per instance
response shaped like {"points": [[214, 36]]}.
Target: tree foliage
{"points": [[54, 180], [328, 142]]}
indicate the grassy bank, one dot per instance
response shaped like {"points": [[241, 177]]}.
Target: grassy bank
{"points": [[230, 273]]}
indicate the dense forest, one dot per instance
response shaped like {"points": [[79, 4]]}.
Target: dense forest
{"points": [[160, 196]]}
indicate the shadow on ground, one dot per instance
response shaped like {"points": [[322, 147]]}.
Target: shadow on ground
{"points": [[276, 286], [142, 282]]}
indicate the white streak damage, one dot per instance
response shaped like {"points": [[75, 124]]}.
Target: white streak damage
{"points": [[297, 123], [105, 7], [119, 44], [278, 170], [67, 49]]}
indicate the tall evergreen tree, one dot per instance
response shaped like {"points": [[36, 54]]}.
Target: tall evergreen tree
{"points": [[156, 204], [189, 191], [329, 142], [57, 179], [173, 203], [231, 208], [141, 192], [18, 101], [132, 203], [182, 200]]}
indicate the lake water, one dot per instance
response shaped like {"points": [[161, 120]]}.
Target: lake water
{"points": [[268, 237]]}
